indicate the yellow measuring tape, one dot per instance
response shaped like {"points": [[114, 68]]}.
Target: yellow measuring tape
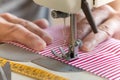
{"points": [[32, 72]]}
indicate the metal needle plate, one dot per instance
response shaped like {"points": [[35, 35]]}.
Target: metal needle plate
{"points": [[18, 54]]}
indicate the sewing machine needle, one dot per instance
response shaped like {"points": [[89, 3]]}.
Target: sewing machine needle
{"points": [[64, 32]]}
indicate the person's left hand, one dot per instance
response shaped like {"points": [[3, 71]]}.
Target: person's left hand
{"points": [[30, 34]]}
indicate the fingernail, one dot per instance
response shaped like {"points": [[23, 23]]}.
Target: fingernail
{"points": [[86, 48], [39, 45]]}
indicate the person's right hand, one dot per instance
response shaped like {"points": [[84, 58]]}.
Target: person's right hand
{"points": [[108, 25], [25, 32]]}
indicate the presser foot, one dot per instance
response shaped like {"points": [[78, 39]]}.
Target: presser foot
{"points": [[64, 55], [72, 53]]}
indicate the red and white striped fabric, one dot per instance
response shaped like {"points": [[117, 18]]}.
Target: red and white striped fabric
{"points": [[103, 61]]}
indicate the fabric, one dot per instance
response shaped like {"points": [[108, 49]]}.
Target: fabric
{"points": [[26, 9], [103, 61]]}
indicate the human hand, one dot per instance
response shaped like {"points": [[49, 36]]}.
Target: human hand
{"points": [[108, 23], [25, 32]]}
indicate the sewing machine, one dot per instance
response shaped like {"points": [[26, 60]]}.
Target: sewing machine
{"points": [[65, 8]]}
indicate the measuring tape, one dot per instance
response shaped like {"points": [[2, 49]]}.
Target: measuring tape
{"points": [[32, 72]]}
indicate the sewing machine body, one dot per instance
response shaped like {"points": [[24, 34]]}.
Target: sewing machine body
{"points": [[70, 6]]}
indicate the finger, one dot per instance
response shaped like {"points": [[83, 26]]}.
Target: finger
{"points": [[84, 27], [3, 29], [40, 32], [43, 23], [106, 30], [18, 33], [29, 25], [92, 40], [117, 32]]}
